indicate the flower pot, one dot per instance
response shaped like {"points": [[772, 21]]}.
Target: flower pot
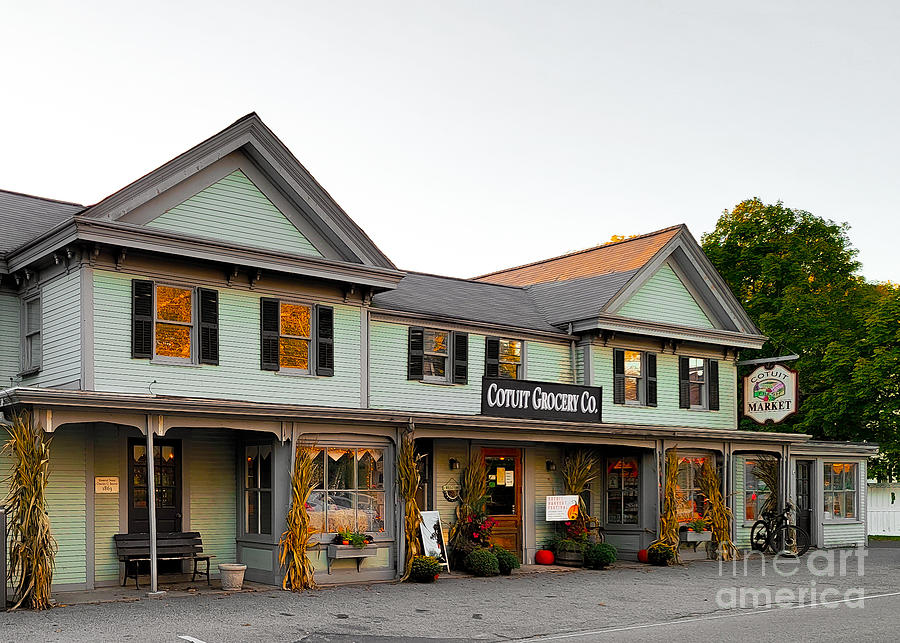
{"points": [[696, 536], [544, 557], [570, 558], [232, 575]]}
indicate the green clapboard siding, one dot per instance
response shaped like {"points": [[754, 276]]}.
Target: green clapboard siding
{"points": [[9, 338], [664, 298], [443, 451], [235, 211], [238, 375], [666, 413], [108, 452], [211, 458], [548, 362], [60, 333], [742, 531], [66, 503], [546, 483]]}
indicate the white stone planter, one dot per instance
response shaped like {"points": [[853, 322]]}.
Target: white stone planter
{"points": [[232, 575]]}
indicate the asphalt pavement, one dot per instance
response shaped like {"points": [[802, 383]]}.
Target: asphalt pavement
{"points": [[819, 598]]}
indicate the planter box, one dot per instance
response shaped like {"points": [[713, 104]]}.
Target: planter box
{"points": [[696, 536], [336, 552], [570, 558]]}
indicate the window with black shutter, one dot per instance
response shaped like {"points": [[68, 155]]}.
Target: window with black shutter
{"points": [[325, 341], [618, 376], [460, 358], [268, 331], [209, 326], [651, 379], [141, 319], [713, 370], [415, 369], [696, 390], [492, 357], [634, 377], [174, 324], [684, 383]]}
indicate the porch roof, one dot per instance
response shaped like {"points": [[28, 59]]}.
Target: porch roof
{"points": [[54, 405]]}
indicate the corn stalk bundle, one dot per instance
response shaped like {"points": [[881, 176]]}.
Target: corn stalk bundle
{"points": [[472, 497], [766, 469], [579, 470], [668, 519], [717, 515], [32, 548], [408, 484], [299, 572]]}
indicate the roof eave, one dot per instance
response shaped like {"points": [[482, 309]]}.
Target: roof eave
{"points": [[669, 331]]}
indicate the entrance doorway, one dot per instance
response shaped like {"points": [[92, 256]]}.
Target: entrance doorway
{"points": [[504, 491], [804, 496], [167, 475]]}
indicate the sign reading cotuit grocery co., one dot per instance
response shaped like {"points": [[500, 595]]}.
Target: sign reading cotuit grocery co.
{"points": [[540, 400], [770, 394]]}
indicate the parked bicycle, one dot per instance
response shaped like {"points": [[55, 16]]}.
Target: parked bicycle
{"points": [[775, 533]]}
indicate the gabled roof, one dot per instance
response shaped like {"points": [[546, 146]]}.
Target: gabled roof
{"points": [[465, 300], [566, 301], [618, 256], [24, 217]]}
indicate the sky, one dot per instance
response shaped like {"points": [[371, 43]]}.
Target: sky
{"points": [[465, 137]]}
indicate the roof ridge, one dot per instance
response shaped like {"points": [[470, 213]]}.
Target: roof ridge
{"points": [[468, 280], [41, 198], [578, 252]]}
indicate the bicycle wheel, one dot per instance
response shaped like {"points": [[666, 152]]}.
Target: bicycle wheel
{"points": [[759, 536], [790, 541]]}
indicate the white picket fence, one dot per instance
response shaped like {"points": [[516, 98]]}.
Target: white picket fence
{"points": [[884, 509]]}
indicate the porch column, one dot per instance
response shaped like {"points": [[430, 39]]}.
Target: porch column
{"points": [[151, 507]]}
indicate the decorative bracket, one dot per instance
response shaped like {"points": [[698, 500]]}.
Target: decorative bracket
{"points": [[349, 291], [254, 278], [231, 276], [120, 258]]}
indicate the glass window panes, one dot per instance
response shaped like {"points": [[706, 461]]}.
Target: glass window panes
{"points": [[510, 358], [354, 496], [696, 377], [174, 304], [295, 331], [436, 354], [371, 469], [633, 363], [691, 502], [174, 316], [436, 341], [840, 489], [32, 356], [295, 320], [341, 466], [258, 489], [501, 496], [435, 366], [756, 492], [293, 353], [622, 491], [319, 465], [341, 511]]}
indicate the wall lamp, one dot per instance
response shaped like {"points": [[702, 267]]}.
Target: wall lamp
{"points": [[454, 464], [551, 465]]}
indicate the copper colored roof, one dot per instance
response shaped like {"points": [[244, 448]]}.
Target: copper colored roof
{"points": [[618, 256]]}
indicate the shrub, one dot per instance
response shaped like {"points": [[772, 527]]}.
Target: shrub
{"points": [[599, 556], [483, 562], [660, 554], [425, 569], [460, 551], [506, 559]]}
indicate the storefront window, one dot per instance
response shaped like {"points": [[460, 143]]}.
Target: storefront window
{"points": [[350, 492], [691, 502], [756, 491], [258, 489], [840, 490], [622, 491]]}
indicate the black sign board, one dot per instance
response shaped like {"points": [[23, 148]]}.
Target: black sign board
{"points": [[540, 400]]}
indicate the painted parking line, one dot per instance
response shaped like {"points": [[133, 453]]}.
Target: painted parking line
{"points": [[191, 639], [572, 635]]}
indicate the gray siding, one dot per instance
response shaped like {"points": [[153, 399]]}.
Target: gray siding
{"points": [[664, 298], [60, 333], [10, 338]]}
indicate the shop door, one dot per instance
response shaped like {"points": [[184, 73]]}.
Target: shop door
{"points": [[504, 490], [804, 501], [167, 469]]}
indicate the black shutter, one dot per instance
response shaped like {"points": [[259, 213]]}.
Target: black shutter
{"points": [[415, 360], [651, 378], [325, 341], [712, 369], [460, 358], [618, 376], [141, 319], [684, 383], [492, 357], [269, 328], [209, 326]]}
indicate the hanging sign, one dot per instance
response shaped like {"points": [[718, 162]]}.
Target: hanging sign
{"points": [[770, 394], [540, 400], [562, 508]]}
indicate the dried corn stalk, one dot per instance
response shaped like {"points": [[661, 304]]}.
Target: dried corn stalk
{"points": [[579, 470], [717, 515], [299, 572], [472, 497], [32, 548], [766, 469], [668, 519], [408, 484]]}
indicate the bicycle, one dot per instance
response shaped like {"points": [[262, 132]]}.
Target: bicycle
{"points": [[775, 533]]}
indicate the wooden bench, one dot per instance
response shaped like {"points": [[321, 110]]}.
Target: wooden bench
{"points": [[132, 549]]}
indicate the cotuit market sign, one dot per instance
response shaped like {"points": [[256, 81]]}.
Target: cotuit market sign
{"points": [[770, 393]]}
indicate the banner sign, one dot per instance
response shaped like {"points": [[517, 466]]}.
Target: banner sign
{"points": [[562, 508], [770, 394], [540, 400]]}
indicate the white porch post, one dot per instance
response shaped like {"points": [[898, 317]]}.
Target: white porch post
{"points": [[151, 508]]}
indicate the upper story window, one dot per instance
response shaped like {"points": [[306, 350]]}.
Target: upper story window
{"points": [[175, 324], [634, 377], [296, 337], [503, 358], [840, 490], [698, 383], [437, 356], [31, 335]]}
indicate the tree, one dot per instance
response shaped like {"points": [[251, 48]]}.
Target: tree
{"points": [[796, 275]]}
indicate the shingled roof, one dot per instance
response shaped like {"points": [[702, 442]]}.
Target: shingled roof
{"points": [[618, 256], [24, 217]]}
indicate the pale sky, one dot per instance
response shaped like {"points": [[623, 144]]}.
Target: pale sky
{"points": [[465, 137]]}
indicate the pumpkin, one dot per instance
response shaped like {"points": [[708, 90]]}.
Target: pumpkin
{"points": [[642, 556], [544, 557]]}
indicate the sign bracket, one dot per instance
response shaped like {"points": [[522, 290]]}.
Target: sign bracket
{"points": [[768, 360]]}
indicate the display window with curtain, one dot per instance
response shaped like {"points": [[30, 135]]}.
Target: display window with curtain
{"points": [[691, 501]]}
